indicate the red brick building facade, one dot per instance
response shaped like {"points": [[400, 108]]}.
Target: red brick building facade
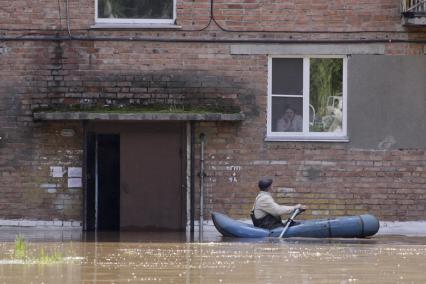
{"points": [[215, 55]]}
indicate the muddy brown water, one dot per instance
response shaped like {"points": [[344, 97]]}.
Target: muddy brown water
{"points": [[173, 258]]}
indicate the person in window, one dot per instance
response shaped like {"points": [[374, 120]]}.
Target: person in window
{"points": [[266, 213], [290, 121]]}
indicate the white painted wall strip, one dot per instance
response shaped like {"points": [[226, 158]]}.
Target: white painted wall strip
{"points": [[307, 49]]}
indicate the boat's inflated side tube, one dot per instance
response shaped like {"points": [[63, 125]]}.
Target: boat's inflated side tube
{"points": [[231, 228], [343, 227]]}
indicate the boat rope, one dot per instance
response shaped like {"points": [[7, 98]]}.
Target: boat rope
{"points": [[329, 229], [362, 226]]}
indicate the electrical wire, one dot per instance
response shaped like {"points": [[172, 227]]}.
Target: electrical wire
{"points": [[207, 25], [201, 40]]}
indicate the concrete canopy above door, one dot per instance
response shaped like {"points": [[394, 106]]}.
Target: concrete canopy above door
{"points": [[148, 116]]}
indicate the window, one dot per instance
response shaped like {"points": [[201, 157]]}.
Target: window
{"points": [[135, 11], [307, 98]]}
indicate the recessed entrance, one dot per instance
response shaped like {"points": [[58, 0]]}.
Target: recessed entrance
{"points": [[135, 176]]}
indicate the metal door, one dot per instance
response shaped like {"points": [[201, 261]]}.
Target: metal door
{"points": [[151, 179]]}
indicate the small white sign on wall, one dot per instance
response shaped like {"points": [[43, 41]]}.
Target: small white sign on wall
{"points": [[75, 172], [56, 172], [74, 182]]}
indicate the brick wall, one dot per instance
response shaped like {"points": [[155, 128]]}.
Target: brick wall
{"points": [[300, 15], [331, 178], [28, 149]]}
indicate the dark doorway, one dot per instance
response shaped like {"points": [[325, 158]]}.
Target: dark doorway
{"points": [[103, 182], [108, 189]]}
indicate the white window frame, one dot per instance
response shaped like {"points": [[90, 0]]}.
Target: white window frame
{"points": [[134, 21], [305, 135]]}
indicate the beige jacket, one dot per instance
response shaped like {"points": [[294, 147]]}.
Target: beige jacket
{"points": [[265, 204]]}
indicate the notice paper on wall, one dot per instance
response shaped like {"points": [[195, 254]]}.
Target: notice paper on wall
{"points": [[56, 172], [75, 172], [74, 182]]}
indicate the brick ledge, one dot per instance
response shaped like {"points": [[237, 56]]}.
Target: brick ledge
{"points": [[56, 224]]}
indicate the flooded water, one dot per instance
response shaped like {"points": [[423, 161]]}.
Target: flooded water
{"points": [[161, 258]]}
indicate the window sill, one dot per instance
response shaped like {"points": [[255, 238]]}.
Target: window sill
{"points": [[306, 139], [117, 26]]}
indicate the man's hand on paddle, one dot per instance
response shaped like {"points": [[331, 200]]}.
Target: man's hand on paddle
{"points": [[300, 207]]}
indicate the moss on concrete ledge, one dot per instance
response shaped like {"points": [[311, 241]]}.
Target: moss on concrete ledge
{"points": [[141, 109], [149, 113]]}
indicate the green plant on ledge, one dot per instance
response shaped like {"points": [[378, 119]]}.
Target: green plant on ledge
{"points": [[20, 248], [21, 253]]}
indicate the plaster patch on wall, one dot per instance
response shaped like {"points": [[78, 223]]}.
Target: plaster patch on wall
{"points": [[319, 163], [312, 173], [284, 190], [51, 190], [278, 162], [387, 143], [260, 162], [268, 162], [48, 185], [40, 223], [4, 50], [322, 212]]}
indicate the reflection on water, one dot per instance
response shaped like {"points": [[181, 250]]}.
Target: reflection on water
{"points": [[156, 258]]}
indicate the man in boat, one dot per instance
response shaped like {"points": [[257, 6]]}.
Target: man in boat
{"points": [[266, 213]]}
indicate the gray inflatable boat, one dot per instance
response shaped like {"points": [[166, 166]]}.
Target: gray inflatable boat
{"points": [[343, 227]]}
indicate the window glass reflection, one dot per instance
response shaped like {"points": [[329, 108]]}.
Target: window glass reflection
{"points": [[135, 9], [326, 100]]}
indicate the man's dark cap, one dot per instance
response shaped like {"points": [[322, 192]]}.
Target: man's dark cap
{"points": [[265, 183]]}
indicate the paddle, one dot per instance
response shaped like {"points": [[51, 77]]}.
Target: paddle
{"points": [[295, 213]]}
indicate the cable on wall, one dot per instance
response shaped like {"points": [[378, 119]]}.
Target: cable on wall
{"points": [[201, 40]]}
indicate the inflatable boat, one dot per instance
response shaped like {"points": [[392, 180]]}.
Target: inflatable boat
{"points": [[343, 227]]}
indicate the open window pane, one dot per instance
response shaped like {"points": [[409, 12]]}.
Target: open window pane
{"points": [[287, 76], [287, 114], [325, 98], [135, 9]]}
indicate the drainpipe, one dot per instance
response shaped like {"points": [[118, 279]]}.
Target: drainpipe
{"points": [[84, 125], [192, 193], [202, 138]]}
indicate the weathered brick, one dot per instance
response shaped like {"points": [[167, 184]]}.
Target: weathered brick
{"points": [[331, 179]]}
